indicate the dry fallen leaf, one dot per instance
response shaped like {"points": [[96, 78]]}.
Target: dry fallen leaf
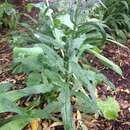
{"points": [[56, 124], [35, 124], [126, 123]]}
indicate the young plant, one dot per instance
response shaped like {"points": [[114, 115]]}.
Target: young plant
{"points": [[110, 108], [58, 70], [8, 15]]}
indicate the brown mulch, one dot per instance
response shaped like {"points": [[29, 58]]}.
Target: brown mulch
{"points": [[5, 55], [122, 93]]}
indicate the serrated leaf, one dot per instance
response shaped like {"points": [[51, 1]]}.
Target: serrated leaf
{"points": [[109, 108]]}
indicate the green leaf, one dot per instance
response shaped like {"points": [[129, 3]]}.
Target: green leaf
{"points": [[102, 78], [18, 124], [52, 107], [50, 58], [33, 79], [41, 5], [17, 94], [7, 106], [93, 26], [45, 39], [34, 51], [128, 1], [65, 19], [26, 59], [109, 108], [85, 103], [75, 44], [59, 35], [5, 87], [26, 64], [33, 59], [54, 77], [83, 77], [106, 61], [20, 121], [119, 44], [66, 109]]}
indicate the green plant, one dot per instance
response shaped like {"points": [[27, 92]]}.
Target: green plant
{"points": [[8, 15], [110, 108], [115, 14], [60, 71]]}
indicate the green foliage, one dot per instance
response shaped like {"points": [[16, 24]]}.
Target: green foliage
{"points": [[33, 79], [5, 87], [8, 15], [57, 69], [110, 108], [115, 14], [18, 122]]}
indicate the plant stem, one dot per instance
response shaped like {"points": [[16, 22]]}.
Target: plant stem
{"points": [[51, 19], [76, 13], [66, 61]]}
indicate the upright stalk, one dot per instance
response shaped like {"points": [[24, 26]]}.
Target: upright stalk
{"points": [[51, 19], [76, 13], [66, 61]]}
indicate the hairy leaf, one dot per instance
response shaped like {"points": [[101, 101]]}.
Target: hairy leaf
{"points": [[109, 108]]}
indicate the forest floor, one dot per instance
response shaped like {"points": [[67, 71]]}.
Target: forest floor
{"points": [[119, 55]]}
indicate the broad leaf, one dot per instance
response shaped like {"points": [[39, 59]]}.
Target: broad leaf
{"points": [[50, 58], [17, 94], [66, 109], [18, 124], [5, 87], [85, 103], [35, 51], [65, 19], [45, 39], [33, 79], [83, 77], [7, 106]]}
